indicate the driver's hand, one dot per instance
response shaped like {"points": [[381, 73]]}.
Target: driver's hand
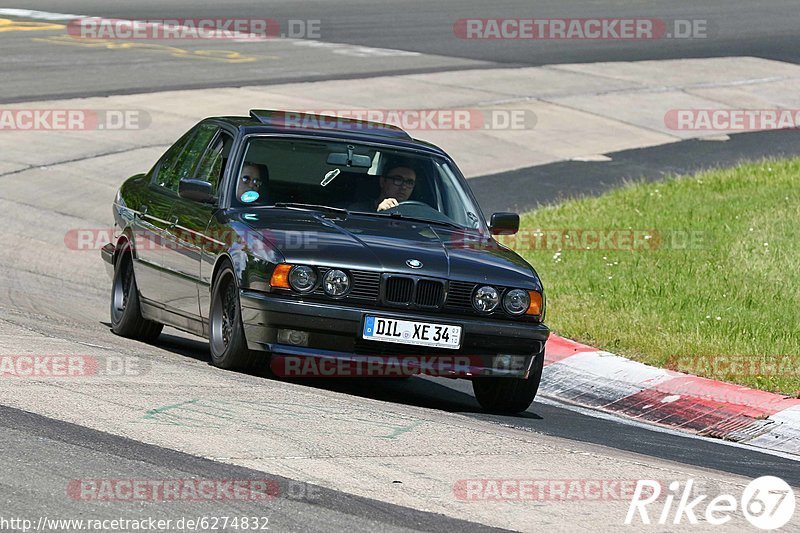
{"points": [[387, 204]]}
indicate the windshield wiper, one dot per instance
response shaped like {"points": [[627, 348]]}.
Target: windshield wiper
{"points": [[414, 219], [312, 207]]}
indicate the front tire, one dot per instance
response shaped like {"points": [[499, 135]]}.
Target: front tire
{"points": [[509, 395], [226, 333], [126, 315]]}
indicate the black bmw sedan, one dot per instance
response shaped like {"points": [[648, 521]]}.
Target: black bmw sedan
{"points": [[319, 245]]}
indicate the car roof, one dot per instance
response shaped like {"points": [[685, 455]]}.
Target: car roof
{"points": [[315, 125]]}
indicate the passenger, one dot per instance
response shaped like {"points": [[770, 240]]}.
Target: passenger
{"points": [[252, 178]]}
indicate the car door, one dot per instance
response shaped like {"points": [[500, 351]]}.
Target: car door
{"points": [[188, 222], [150, 222]]}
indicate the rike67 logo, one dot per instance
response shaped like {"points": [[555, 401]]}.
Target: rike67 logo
{"points": [[767, 503]]}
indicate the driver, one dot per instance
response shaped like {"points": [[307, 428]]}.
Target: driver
{"points": [[397, 184]]}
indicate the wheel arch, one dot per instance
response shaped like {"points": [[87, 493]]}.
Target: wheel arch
{"points": [[125, 242], [219, 264]]}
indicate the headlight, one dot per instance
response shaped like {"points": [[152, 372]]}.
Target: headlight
{"points": [[302, 278], [516, 301], [486, 299], [336, 283]]}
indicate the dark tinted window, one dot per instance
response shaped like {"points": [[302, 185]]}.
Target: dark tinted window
{"points": [[163, 171], [213, 163], [180, 161], [315, 172]]}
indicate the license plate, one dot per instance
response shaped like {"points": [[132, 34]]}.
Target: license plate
{"points": [[412, 332]]}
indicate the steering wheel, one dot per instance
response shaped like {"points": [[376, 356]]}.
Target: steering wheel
{"points": [[412, 202], [415, 208]]}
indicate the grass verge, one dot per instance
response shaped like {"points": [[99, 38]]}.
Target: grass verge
{"points": [[699, 274]]}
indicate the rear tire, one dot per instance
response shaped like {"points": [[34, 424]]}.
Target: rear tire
{"points": [[226, 333], [509, 395], [126, 315]]}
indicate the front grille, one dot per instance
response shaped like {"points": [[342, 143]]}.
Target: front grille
{"points": [[409, 291], [430, 293], [365, 285], [459, 296], [399, 290]]}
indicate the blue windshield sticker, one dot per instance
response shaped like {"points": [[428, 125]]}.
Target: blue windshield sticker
{"points": [[249, 197]]}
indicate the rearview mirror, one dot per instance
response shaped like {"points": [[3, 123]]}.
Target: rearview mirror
{"points": [[197, 190], [340, 159], [504, 224], [349, 159]]}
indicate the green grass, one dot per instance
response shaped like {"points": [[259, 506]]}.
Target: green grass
{"points": [[725, 305]]}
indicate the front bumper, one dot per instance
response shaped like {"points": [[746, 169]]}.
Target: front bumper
{"points": [[107, 253], [490, 347]]}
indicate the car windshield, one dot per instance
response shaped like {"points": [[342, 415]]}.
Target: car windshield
{"points": [[362, 179]]}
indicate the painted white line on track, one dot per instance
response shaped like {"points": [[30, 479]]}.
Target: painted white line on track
{"points": [[38, 15], [94, 345]]}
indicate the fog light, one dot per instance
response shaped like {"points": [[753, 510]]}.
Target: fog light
{"points": [[293, 337], [514, 363]]}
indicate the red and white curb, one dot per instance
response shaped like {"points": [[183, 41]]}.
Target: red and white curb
{"points": [[582, 375]]}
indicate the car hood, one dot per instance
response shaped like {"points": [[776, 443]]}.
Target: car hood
{"points": [[376, 243]]}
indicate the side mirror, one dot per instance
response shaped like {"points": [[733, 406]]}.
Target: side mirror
{"points": [[197, 190], [504, 224]]}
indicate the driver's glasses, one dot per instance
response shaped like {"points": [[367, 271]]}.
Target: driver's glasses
{"points": [[400, 181], [254, 181]]}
